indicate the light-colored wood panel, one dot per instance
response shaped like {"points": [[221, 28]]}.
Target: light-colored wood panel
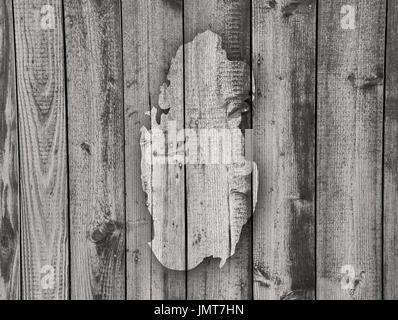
{"points": [[96, 149], [207, 185], [42, 140], [136, 26], [165, 37], [158, 197]]}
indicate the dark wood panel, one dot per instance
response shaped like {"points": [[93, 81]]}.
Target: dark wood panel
{"points": [[96, 149], [9, 173], [350, 127], [391, 158], [284, 46]]}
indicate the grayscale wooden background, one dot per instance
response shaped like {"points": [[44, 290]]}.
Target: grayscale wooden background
{"points": [[78, 76]]}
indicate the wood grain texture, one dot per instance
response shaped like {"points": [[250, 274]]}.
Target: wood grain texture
{"points": [[136, 26], [96, 149], [149, 48], [9, 172], [231, 21], [391, 158], [163, 174], [165, 37], [136, 226], [42, 139], [284, 46], [350, 124]]}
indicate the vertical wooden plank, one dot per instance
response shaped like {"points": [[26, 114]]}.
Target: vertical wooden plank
{"points": [[284, 46], [42, 139], [136, 25], [350, 123], [230, 20], [390, 158], [165, 37], [149, 47], [9, 173], [96, 149]]}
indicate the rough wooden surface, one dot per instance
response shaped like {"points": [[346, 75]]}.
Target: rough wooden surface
{"points": [[284, 46], [118, 57], [136, 26], [164, 181], [9, 173], [390, 158], [165, 37], [96, 153], [218, 194], [157, 39], [42, 140], [231, 21], [350, 125]]}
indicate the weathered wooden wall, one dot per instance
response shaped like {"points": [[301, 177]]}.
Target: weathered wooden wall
{"points": [[79, 81]]}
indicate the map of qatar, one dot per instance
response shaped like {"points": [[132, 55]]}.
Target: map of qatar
{"points": [[195, 169]]}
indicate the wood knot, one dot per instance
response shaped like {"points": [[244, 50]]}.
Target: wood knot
{"points": [[103, 231], [263, 276], [260, 59], [7, 237], [236, 107], [368, 82], [357, 282], [5, 244], [177, 3], [291, 7], [294, 295], [7, 247], [85, 147], [272, 4], [137, 256]]}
